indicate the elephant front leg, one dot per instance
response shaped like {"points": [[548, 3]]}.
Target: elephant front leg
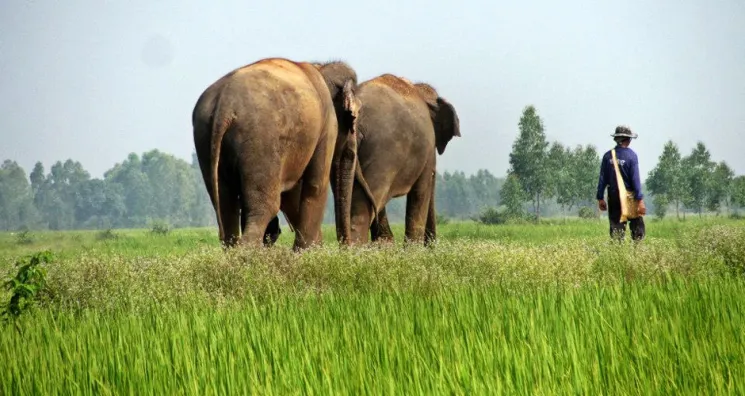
{"points": [[430, 231], [417, 206], [361, 214]]}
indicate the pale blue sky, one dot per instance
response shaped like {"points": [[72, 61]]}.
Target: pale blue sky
{"points": [[96, 80]]}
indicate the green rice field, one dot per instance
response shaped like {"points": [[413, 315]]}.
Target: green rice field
{"points": [[547, 309]]}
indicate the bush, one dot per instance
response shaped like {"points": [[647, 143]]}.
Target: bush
{"points": [[160, 228], [491, 216], [494, 216], [107, 234], [587, 212], [24, 238], [25, 287]]}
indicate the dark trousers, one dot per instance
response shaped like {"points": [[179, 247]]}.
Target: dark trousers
{"points": [[618, 229]]}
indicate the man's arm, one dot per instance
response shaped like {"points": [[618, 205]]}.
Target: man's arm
{"points": [[602, 183], [636, 180]]}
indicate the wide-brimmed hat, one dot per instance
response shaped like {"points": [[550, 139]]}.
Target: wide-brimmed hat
{"points": [[624, 131]]}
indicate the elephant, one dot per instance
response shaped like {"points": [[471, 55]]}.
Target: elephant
{"points": [[269, 136], [399, 126]]}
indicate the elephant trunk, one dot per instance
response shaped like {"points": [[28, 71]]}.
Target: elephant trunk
{"points": [[345, 183]]}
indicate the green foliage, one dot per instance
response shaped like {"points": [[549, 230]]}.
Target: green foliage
{"points": [[529, 158], [161, 186], [720, 187], [492, 216], [107, 235], [513, 196], [586, 212], [574, 174], [668, 178], [661, 203], [26, 285], [160, 227], [16, 203], [738, 191], [698, 170], [458, 195], [24, 237]]}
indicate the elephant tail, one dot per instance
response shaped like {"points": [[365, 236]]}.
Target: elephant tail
{"points": [[361, 179], [220, 126]]}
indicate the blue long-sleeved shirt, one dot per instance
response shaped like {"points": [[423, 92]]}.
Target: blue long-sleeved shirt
{"points": [[628, 165]]}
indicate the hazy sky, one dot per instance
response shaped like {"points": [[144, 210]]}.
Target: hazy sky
{"points": [[96, 80]]}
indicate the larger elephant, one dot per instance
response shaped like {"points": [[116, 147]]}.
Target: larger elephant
{"points": [[268, 137], [400, 127]]}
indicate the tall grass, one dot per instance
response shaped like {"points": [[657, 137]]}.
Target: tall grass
{"points": [[668, 338], [549, 309]]}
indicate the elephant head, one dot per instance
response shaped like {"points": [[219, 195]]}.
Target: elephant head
{"points": [[444, 117], [341, 80]]}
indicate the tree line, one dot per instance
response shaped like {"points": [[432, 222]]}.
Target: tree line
{"points": [[544, 179], [157, 187]]}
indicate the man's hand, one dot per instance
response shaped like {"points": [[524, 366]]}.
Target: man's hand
{"points": [[642, 208], [602, 206]]}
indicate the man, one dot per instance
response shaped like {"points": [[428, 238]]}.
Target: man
{"points": [[628, 165]]}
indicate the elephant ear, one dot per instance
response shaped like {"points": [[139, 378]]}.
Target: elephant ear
{"points": [[447, 124], [351, 103]]}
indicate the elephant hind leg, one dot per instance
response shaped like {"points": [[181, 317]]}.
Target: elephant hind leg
{"points": [[230, 214], [380, 230], [313, 191], [259, 210], [272, 232], [260, 205]]}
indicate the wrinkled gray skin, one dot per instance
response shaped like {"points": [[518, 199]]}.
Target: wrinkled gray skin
{"points": [[268, 137], [401, 128]]}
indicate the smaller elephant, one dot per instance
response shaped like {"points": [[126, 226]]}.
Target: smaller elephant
{"points": [[401, 127]]}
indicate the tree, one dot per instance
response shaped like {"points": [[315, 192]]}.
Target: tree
{"points": [[573, 174], [37, 177], [584, 174], [99, 204], [528, 159], [512, 196], [720, 185], [698, 170], [202, 212], [660, 205], [738, 191], [668, 179], [456, 194], [558, 166], [485, 188], [16, 201], [56, 194]]}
